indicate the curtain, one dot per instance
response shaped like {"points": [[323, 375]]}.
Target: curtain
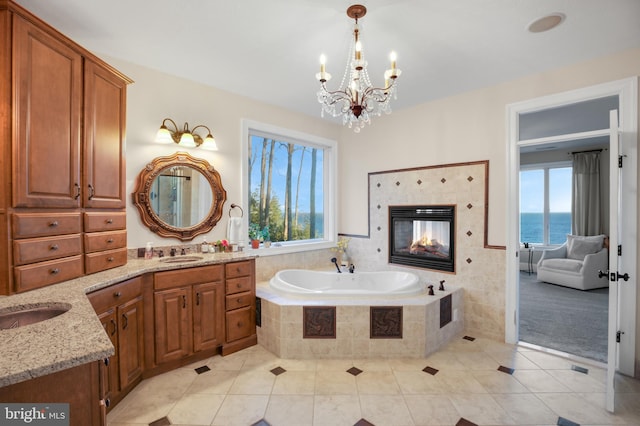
{"points": [[586, 203]]}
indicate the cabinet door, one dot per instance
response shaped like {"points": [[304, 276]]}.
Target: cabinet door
{"points": [[48, 106], [110, 369], [104, 127], [172, 324], [130, 341], [208, 316]]}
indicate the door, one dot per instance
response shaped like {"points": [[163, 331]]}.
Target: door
{"points": [[48, 110], [208, 315], [104, 119], [172, 324], [622, 283], [130, 341], [110, 368]]}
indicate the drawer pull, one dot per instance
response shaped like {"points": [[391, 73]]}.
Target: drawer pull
{"points": [[109, 221], [239, 299], [77, 195], [240, 324], [238, 285], [110, 240], [53, 247], [184, 301], [54, 271], [117, 294], [110, 259], [53, 224], [198, 299], [114, 328], [92, 192], [125, 321]]}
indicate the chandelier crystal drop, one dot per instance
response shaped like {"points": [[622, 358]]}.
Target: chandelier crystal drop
{"points": [[357, 100]]}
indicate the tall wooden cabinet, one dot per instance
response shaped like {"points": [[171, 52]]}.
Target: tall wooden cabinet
{"points": [[62, 125]]}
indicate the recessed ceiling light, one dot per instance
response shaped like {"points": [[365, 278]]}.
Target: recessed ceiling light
{"points": [[546, 23]]}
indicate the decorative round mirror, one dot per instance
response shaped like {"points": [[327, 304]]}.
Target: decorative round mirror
{"points": [[179, 196]]}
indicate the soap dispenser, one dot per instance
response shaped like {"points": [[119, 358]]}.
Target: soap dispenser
{"points": [[204, 248]]}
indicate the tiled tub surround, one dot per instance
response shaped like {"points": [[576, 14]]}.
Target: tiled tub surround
{"points": [[75, 337], [282, 326], [479, 267]]}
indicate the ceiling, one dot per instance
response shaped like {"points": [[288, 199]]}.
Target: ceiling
{"points": [[268, 50]]}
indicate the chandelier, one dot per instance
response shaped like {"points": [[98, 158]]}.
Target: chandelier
{"points": [[357, 99]]}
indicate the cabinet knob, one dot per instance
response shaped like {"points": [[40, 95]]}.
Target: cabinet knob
{"points": [[110, 240], [53, 224], [239, 299], [109, 221], [110, 259], [240, 324], [117, 294], [53, 247], [54, 271]]}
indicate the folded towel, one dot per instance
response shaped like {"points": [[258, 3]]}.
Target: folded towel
{"points": [[234, 230]]}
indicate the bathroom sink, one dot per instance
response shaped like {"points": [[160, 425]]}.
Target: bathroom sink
{"points": [[180, 259], [30, 315]]}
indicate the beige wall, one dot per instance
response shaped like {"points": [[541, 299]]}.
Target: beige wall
{"points": [[466, 127], [154, 96]]}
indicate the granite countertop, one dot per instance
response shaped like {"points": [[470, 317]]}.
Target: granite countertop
{"points": [[76, 337]]}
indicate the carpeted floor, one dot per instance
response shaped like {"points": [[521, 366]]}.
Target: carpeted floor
{"points": [[564, 319]]}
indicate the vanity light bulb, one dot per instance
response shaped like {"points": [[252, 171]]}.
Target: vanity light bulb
{"points": [[187, 141], [163, 135], [209, 143]]}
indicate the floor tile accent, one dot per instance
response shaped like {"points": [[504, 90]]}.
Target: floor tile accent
{"points": [[161, 422], [262, 422], [506, 369], [202, 369], [430, 370], [385, 322], [580, 369], [363, 422], [319, 322], [465, 422], [564, 422], [469, 338], [278, 371], [354, 370]]}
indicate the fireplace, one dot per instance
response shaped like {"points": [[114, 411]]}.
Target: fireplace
{"points": [[422, 236]]}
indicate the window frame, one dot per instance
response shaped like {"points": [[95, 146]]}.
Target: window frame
{"points": [[545, 167], [329, 176]]}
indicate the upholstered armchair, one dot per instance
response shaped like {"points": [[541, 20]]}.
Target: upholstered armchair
{"points": [[576, 263]]}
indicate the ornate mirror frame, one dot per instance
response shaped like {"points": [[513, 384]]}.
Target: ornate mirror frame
{"points": [[142, 199]]}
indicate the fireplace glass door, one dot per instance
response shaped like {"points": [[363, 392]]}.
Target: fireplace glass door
{"points": [[422, 236]]}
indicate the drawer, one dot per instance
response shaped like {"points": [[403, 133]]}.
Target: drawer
{"points": [[99, 241], [238, 269], [237, 285], [26, 225], [96, 262], [115, 295], [240, 324], [182, 277], [239, 300], [33, 250], [104, 221], [41, 274]]}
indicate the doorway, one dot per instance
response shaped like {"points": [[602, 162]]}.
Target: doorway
{"points": [[622, 308]]}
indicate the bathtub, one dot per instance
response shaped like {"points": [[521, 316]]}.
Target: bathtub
{"points": [[307, 283]]}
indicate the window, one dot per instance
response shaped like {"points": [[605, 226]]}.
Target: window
{"points": [[545, 203], [290, 187]]}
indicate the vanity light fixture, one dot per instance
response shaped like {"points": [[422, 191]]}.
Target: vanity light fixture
{"points": [[185, 138], [356, 100]]}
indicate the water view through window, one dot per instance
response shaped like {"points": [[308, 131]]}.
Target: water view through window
{"points": [[545, 205]]}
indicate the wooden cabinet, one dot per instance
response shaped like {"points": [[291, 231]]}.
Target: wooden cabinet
{"points": [[62, 146], [78, 386], [240, 306], [188, 312], [120, 309], [48, 108]]}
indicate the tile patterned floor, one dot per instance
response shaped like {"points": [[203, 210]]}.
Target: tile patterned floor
{"points": [[469, 382]]}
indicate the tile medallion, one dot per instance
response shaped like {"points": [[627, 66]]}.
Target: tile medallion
{"points": [[319, 322]]}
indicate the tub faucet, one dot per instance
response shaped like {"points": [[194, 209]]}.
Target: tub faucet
{"points": [[352, 268], [335, 261]]}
